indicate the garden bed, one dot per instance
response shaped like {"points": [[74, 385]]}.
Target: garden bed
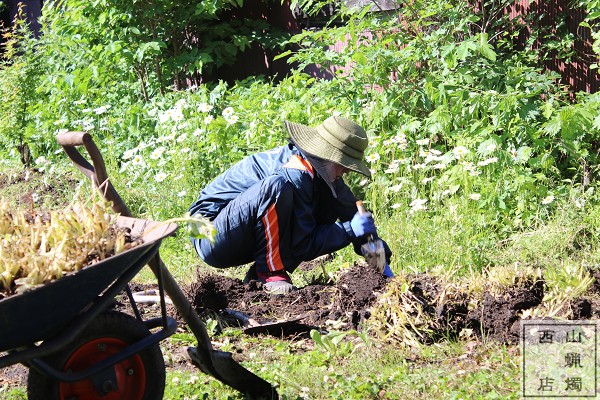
{"points": [[437, 312]]}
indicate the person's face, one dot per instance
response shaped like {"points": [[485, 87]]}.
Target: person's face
{"points": [[335, 171]]}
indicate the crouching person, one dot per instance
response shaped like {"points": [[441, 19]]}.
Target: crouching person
{"points": [[281, 207]]}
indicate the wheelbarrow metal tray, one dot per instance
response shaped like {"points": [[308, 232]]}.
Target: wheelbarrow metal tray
{"points": [[43, 312]]}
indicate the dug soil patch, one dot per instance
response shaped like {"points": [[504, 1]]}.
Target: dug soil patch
{"points": [[347, 304]]}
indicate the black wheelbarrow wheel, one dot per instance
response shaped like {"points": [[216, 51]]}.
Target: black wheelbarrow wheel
{"points": [[140, 377]]}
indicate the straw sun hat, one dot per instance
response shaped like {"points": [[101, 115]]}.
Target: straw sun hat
{"points": [[337, 139]]}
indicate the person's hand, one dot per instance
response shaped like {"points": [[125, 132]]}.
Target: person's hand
{"points": [[363, 224]]}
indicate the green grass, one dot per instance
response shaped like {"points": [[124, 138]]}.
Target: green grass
{"points": [[449, 370], [452, 243]]}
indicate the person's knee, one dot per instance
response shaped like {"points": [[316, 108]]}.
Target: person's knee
{"points": [[204, 249]]}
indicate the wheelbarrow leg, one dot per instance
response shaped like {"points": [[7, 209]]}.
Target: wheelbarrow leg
{"points": [[219, 364]]}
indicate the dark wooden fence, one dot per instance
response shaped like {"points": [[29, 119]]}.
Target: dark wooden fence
{"points": [[555, 17], [559, 20]]}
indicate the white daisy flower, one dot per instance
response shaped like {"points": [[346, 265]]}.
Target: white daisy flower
{"points": [[205, 107], [548, 199], [392, 169], [373, 157], [101, 109], [460, 151], [418, 205], [396, 188], [232, 119], [180, 104], [468, 166], [161, 176], [138, 160], [164, 117], [157, 153], [227, 112], [490, 148], [177, 115], [487, 161]]}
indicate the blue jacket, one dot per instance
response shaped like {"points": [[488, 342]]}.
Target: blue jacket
{"points": [[320, 221]]}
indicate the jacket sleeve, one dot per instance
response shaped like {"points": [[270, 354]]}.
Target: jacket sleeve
{"points": [[310, 239], [345, 202]]}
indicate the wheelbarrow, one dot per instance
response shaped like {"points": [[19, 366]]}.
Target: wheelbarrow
{"points": [[77, 348]]}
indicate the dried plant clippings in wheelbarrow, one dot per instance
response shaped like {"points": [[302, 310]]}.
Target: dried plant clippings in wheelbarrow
{"points": [[38, 248]]}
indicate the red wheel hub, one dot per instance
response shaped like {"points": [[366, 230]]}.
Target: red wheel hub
{"points": [[130, 373]]}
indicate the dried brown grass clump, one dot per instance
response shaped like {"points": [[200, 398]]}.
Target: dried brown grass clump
{"points": [[419, 309]]}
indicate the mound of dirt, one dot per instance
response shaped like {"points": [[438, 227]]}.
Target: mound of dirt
{"points": [[498, 316], [29, 188], [448, 311], [347, 301], [356, 290]]}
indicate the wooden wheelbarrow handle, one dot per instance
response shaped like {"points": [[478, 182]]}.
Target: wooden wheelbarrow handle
{"points": [[216, 363], [96, 173]]}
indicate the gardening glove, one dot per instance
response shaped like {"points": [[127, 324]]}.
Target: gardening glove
{"points": [[387, 271], [363, 224]]}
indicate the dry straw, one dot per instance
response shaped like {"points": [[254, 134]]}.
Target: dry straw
{"points": [[38, 248]]}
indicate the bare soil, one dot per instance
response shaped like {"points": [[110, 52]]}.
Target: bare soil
{"points": [[314, 305], [347, 304]]}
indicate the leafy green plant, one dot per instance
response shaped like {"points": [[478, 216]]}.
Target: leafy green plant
{"points": [[565, 283], [21, 74], [332, 343]]}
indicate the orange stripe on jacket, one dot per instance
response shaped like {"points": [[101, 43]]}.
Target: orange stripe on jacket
{"points": [[300, 163], [271, 225]]}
